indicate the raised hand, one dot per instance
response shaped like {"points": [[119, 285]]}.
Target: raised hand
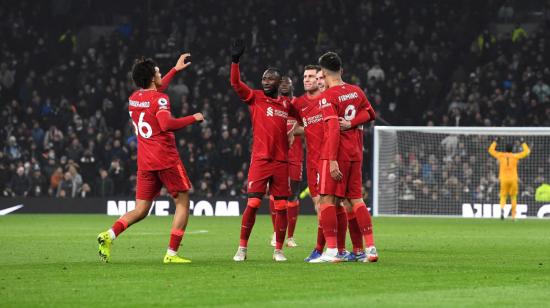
{"points": [[198, 117], [237, 50], [183, 62]]}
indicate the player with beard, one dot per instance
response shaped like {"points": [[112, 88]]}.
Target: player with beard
{"points": [[268, 165]]}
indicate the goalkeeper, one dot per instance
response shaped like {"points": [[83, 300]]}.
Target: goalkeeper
{"points": [[508, 173]]}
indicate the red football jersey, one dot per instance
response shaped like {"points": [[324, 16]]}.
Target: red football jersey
{"points": [[296, 151], [269, 118], [312, 119], [344, 101], [156, 149]]}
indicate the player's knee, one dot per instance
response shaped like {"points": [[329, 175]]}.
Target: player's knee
{"points": [[280, 204], [254, 202]]}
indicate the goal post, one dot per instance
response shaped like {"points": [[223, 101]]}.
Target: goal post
{"points": [[447, 171]]}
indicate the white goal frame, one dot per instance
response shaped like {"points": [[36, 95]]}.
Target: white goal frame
{"points": [[472, 130]]}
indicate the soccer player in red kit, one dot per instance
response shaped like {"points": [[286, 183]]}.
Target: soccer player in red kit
{"points": [[295, 162], [341, 157], [158, 159], [312, 119], [268, 165]]}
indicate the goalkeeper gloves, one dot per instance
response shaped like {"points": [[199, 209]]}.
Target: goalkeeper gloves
{"points": [[497, 139], [521, 140], [237, 50]]}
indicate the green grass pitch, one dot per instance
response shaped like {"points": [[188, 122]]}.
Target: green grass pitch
{"points": [[51, 260]]}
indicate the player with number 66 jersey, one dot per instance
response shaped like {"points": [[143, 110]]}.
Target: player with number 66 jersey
{"points": [[158, 160]]}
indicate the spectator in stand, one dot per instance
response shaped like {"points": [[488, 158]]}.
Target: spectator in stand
{"points": [[119, 177], [104, 185], [67, 187], [12, 150], [20, 184], [39, 186], [55, 180]]}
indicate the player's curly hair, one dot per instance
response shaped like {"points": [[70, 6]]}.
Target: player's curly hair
{"points": [[143, 72], [331, 61]]}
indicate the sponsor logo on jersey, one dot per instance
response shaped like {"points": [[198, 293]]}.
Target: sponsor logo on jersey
{"points": [[139, 104], [313, 119], [275, 112]]}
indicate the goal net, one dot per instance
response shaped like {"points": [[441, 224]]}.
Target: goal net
{"points": [[448, 171]]}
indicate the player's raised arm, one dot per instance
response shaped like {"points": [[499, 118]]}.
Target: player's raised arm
{"points": [[168, 123], [493, 147], [183, 62], [243, 91], [525, 152]]}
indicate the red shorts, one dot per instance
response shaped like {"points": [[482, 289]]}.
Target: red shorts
{"points": [[149, 182], [313, 181], [295, 170], [348, 187], [275, 173]]}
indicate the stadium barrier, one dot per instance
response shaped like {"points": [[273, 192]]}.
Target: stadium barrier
{"points": [[119, 206]]}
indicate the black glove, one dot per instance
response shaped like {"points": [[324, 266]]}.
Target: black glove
{"points": [[497, 139], [237, 50]]}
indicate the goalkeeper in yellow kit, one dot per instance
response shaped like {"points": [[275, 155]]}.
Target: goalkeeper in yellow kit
{"points": [[508, 173]]}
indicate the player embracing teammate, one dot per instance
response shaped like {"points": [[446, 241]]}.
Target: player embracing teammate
{"points": [[343, 106]]}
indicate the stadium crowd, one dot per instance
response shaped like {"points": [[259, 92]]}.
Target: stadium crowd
{"points": [[66, 132]]}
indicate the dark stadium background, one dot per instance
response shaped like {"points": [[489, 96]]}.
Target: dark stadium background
{"points": [[64, 79]]}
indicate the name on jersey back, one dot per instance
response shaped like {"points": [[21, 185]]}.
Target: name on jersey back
{"points": [[139, 104]]}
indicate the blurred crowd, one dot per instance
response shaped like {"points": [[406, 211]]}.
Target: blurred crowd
{"points": [[451, 169], [66, 132]]}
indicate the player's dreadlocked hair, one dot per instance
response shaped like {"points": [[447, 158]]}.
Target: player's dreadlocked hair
{"points": [[509, 148], [312, 67], [331, 61], [143, 72]]}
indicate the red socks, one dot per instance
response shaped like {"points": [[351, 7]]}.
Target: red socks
{"points": [[175, 239], [119, 226], [355, 233], [364, 221], [320, 239], [342, 220], [249, 218], [281, 222], [292, 214], [329, 224], [272, 211]]}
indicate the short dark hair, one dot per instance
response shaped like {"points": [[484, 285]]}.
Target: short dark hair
{"points": [[509, 147], [312, 67], [274, 70], [143, 72], [331, 61]]}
